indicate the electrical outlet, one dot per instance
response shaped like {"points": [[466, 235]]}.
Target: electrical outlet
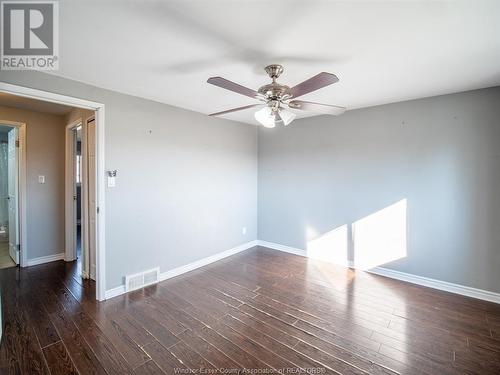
{"points": [[41, 179], [244, 230]]}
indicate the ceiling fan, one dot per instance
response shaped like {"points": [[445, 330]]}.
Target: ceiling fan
{"points": [[278, 99]]}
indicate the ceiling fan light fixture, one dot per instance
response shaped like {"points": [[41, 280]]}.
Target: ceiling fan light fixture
{"points": [[286, 116], [279, 98], [265, 116]]}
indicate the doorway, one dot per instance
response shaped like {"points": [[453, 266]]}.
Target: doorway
{"points": [[9, 235], [11, 199], [99, 209]]}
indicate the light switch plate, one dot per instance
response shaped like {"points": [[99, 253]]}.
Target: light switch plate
{"points": [[41, 179], [111, 181]]}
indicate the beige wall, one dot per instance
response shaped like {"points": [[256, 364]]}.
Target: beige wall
{"points": [[45, 202]]}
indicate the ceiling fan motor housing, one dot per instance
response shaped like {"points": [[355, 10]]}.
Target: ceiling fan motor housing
{"points": [[274, 90]]}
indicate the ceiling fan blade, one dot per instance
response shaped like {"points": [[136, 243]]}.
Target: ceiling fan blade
{"points": [[312, 84], [234, 110], [316, 107], [228, 85]]}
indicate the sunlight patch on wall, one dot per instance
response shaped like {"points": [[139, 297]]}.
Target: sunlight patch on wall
{"points": [[330, 247], [380, 237]]}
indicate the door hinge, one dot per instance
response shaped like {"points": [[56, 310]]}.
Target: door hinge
{"points": [[17, 143], [97, 209], [19, 247]]}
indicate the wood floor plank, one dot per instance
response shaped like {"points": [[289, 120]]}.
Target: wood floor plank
{"points": [[283, 332], [154, 328], [150, 308], [149, 368], [125, 323], [80, 352], [190, 358], [242, 357], [163, 358], [218, 358], [120, 335], [58, 360], [21, 351], [112, 361], [275, 346], [44, 329], [258, 351]]}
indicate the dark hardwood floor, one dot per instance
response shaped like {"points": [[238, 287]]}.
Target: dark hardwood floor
{"points": [[260, 310]]}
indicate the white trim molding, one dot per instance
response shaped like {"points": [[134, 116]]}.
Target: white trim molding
{"points": [[286, 249], [189, 267], [397, 275], [69, 190], [115, 292], [437, 284], [45, 259], [297, 251], [203, 262]]}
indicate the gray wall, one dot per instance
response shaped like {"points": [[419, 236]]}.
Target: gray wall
{"points": [[44, 202], [186, 183], [441, 154]]}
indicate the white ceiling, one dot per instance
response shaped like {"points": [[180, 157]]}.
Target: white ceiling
{"points": [[382, 51], [20, 102]]}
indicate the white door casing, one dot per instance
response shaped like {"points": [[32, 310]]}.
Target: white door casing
{"points": [[91, 183], [13, 183], [70, 192]]}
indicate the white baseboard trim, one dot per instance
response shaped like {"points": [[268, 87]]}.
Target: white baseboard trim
{"points": [[203, 262], [189, 267], [297, 251], [437, 284], [115, 292], [45, 259], [402, 276], [286, 249]]}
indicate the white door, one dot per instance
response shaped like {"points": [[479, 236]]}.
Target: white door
{"points": [[91, 157], [13, 156]]}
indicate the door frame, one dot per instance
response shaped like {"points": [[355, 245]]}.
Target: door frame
{"points": [[86, 191], [100, 170], [69, 191], [21, 190]]}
